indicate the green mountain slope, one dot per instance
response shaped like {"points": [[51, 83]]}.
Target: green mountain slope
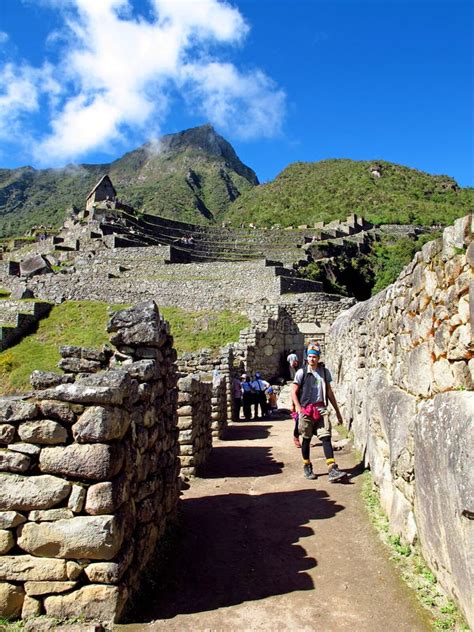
{"points": [[305, 193], [190, 176]]}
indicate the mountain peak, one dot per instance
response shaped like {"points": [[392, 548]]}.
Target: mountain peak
{"points": [[205, 138]]}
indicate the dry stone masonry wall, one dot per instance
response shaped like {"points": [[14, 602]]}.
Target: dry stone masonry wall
{"points": [[194, 423], [89, 474], [403, 365]]}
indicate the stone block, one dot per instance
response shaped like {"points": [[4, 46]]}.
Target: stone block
{"points": [[7, 433], [418, 370], [11, 519], [7, 541], [110, 572], [95, 601], [99, 423], [443, 375], [444, 485], [96, 461], [48, 379], [82, 537], [59, 411], [105, 498], [25, 448], [31, 492], [11, 600], [42, 432], [144, 370], [37, 589], [50, 515], [29, 568], [31, 608], [77, 498], [16, 410], [13, 461], [81, 393]]}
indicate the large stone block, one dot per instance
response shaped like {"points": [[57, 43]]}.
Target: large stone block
{"points": [[43, 432], [99, 423], [82, 393], [16, 410], [28, 568], [23, 493], [139, 326], [418, 370], [36, 589], [444, 484], [95, 601], [11, 600], [96, 461], [97, 538]]}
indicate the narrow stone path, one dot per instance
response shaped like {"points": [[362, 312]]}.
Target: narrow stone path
{"points": [[262, 548]]}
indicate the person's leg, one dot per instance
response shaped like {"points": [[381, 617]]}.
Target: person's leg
{"points": [[246, 406], [305, 427], [323, 432]]}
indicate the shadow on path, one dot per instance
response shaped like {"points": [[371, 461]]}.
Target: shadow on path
{"points": [[234, 548], [235, 461], [245, 431]]}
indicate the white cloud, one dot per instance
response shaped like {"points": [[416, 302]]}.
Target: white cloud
{"points": [[117, 73], [20, 90], [249, 104], [3, 37]]}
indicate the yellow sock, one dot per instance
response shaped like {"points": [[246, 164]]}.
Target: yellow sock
{"points": [[306, 461], [330, 462]]}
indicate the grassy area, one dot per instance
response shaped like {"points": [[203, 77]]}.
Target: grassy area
{"points": [[4, 293], [83, 323], [413, 568], [203, 329]]}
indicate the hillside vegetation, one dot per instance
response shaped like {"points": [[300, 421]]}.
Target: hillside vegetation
{"points": [[83, 323], [305, 193]]}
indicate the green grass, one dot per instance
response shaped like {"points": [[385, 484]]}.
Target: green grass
{"points": [[83, 323], [203, 329], [412, 567], [4, 293]]}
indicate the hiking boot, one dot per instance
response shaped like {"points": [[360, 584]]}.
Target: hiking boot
{"points": [[296, 441], [308, 471], [335, 474]]}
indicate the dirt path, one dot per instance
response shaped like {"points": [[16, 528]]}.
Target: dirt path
{"points": [[263, 548]]}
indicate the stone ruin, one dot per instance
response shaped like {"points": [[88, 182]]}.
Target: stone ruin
{"points": [[89, 472]]}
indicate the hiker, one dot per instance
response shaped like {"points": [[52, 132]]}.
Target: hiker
{"points": [[237, 397], [293, 362], [247, 396], [311, 392], [259, 387]]}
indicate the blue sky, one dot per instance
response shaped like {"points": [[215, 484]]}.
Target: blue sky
{"points": [[87, 80]]}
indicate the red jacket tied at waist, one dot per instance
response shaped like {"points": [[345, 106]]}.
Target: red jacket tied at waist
{"points": [[312, 411]]}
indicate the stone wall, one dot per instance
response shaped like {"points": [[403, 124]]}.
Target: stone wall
{"points": [[219, 407], [220, 364], [194, 423], [403, 365], [89, 473]]}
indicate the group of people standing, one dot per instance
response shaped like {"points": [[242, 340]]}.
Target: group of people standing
{"points": [[248, 394]]}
